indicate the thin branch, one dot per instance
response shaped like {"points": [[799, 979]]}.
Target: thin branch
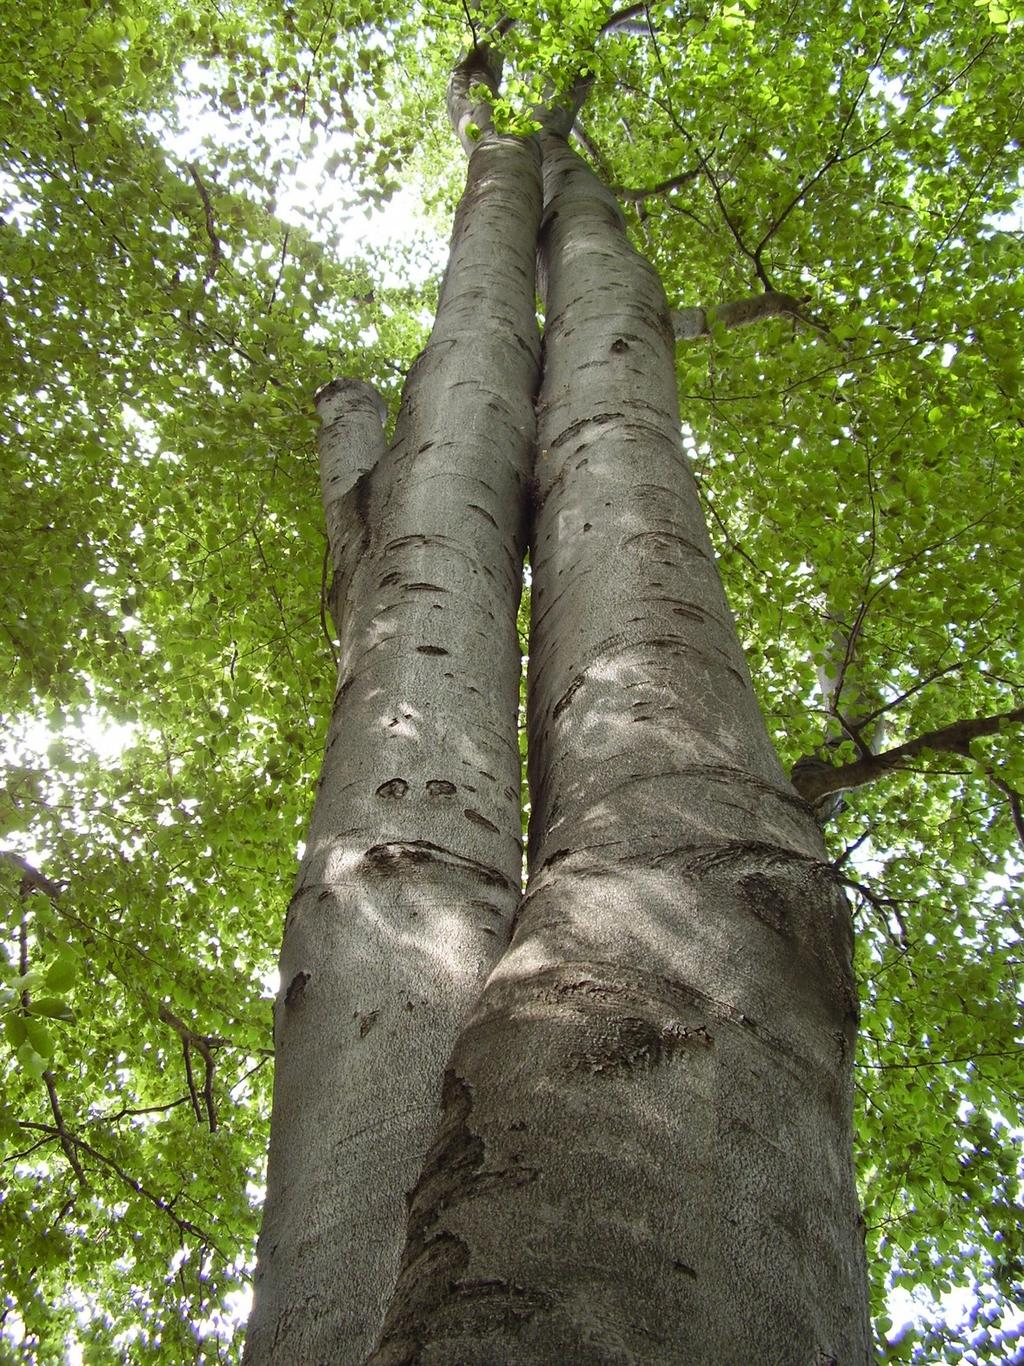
{"points": [[32, 880], [673, 182], [165, 1206], [190, 1081], [58, 1119], [469, 20], [130, 1111], [1013, 797], [628, 20], [216, 250], [942, 1062], [204, 1044], [689, 324]]}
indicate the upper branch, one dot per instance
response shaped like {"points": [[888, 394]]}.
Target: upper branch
{"points": [[814, 782], [691, 323], [471, 118]]}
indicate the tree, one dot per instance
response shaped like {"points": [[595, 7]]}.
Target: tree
{"points": [[855, 452]]}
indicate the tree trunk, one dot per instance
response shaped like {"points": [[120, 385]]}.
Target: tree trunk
{"points": [[644, 1153], [412, 869]]}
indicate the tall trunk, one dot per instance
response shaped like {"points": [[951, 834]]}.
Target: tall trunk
{"points": [[644, 1153], [412, 869]]}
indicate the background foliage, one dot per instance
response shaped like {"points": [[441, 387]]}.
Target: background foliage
{"points": [[179, 273]]}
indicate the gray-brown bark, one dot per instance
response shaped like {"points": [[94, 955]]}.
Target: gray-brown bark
{"points": [[644, 1153], [412, 868]]}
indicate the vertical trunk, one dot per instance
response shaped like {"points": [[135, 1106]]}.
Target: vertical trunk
{"points": [[644, 1153], [412, 868]]}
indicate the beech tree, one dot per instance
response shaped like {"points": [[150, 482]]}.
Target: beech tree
{"points": [[619, 1103]]}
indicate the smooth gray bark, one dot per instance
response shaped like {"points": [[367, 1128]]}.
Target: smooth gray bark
{"points": [[645, 1148], [412, 868]]}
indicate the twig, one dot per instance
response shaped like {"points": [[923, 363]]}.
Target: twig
{"points": [[58, 1119], [204, 1044], [216, 250]]}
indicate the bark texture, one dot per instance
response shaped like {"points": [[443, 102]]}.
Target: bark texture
{"points": [[644, 1154], [412, 868]]}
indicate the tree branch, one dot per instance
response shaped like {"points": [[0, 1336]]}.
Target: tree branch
{"points": [[688, 324], [32, 880], [216, 250], [631, 19], [814, 781], [66, 1141], [204, 1044], [165, 1206], [1013, 797], [673, 182]]}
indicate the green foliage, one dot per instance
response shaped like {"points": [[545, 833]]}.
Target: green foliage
{"points": [[166, 320]]}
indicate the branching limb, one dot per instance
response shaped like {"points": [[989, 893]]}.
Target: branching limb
{"points": [[816, 781], [184, 1226], [632, 19], [66, 1141], [471, 118], [204, 1044]]}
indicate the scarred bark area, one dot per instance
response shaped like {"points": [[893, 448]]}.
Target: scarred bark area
{"points": [[645, 1149], [412, 868]]}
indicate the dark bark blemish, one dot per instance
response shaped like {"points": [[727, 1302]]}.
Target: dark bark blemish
{"points": [[619, 345], [427, 1273], [430, 650], [586, 526], [399, 856], [575, 428], [393, 789], [488, 906], [425, 588], [627, 1042], [387, 858], [296, 988], [686, 1270], [567, 696], [440, 787], [366, 1022], [478, 819], [762, 896], [475, 507]]}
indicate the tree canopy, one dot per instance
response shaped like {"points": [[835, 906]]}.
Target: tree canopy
{"points": [[180, 272]]}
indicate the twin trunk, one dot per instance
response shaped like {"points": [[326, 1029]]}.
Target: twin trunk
{"points": [[644, 1147]]}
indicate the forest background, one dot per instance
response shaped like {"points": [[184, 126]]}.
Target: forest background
{"points": [[198, 229]]}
